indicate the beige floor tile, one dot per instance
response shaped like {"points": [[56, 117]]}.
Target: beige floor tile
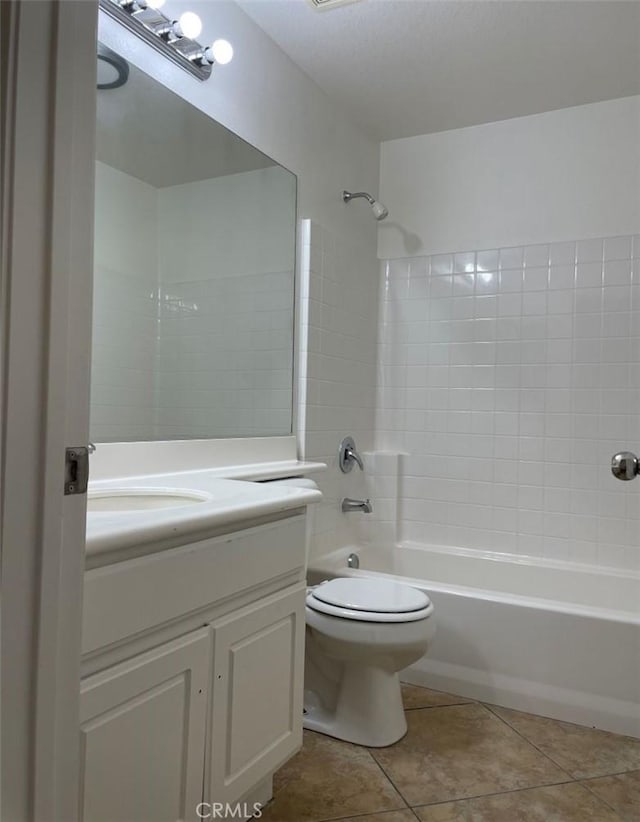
{"points": [[583, 752], [557, 803], [414, 696], [462, 751], [390, 816], [622, 792], [329, 779]]}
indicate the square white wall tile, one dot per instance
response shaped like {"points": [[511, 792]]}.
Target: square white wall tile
{"points": [[509, 396]]}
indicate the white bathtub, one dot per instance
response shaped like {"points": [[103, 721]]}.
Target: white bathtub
{"points": [[546, 637]]}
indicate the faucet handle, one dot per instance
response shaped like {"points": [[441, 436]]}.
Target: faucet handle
{"points": [[353, 456], [347, 455]]}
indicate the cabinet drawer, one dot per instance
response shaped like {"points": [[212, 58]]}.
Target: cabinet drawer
{"points": [[130, 597], [258, 673]]}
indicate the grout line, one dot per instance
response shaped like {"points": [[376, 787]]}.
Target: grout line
{"points": [[373, 756], [493, 793], [570, 777], [497, 793], [442, 707], [533, 745], [365, 815], [393, 784], [606, 775], [599, 798], [448, 705]]}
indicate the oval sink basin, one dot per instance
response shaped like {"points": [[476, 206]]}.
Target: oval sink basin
{"points": [[141, 499]]}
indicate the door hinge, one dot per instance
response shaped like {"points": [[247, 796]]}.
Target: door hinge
{"points": [[76, 470]]}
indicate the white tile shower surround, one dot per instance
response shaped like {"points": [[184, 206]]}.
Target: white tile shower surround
{"points": [[509, 377], [336, 373], [192, 357], [177, 357], [224, 356]]}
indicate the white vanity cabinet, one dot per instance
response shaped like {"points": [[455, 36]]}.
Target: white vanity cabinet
{"points": [[193, 673]]}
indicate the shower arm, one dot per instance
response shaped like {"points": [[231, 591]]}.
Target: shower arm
{"points": [[347, 195]]}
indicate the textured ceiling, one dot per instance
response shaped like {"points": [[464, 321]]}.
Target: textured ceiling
{"points": [[406, 67]]}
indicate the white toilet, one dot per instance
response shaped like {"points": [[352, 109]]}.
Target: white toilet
{"points": [[360, 633]]}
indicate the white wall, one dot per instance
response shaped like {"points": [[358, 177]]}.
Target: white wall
{"points": [[573, 173], [228, 226]]}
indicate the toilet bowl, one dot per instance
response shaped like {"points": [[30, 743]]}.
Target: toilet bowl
{"points": [[360, 634]]}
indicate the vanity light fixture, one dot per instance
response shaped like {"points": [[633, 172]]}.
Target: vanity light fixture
{"points": [[176, 39], [322, 5]]}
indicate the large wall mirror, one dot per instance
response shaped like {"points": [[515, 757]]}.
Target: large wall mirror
{"points": [[194, 271]]}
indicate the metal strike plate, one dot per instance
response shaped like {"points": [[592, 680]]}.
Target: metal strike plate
{"points": [[76, 470]]}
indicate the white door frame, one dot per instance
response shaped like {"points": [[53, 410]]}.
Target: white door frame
{"points": [[48, 129]]}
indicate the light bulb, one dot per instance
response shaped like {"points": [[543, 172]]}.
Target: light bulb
{"points": [[189, 25], [220, 51]]}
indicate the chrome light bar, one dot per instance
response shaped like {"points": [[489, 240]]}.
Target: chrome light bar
{"points": [[161, 33]]}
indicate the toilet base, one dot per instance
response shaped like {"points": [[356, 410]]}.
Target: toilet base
{"points": [[368, 709]]}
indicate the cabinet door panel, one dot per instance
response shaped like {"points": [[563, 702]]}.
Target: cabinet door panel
{"points": [[142, 735], [258, 687]]}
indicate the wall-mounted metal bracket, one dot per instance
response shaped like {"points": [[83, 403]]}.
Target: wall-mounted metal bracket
{"points": [[76, 470]]}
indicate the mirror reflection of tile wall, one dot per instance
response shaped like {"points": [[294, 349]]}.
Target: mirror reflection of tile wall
{"points": [[193, 278]]}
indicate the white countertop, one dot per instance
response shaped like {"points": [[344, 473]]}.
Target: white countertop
{"points": [[231, 501]]}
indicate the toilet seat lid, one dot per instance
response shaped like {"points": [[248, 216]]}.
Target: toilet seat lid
{"points": [[380, 596]]}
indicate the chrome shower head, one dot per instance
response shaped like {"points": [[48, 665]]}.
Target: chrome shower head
{"points": [[379, 211]]}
